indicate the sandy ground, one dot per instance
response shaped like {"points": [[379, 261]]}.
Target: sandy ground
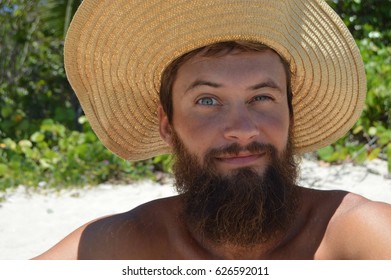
{"points": [[31, 222]]}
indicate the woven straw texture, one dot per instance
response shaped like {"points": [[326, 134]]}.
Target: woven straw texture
{"points": [[116, 50]]}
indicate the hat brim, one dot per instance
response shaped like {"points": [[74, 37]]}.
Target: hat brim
{"points": [[116, 51]]}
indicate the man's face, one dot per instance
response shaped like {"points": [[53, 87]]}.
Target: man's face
{"points": [[236, 98], [230, 135]]}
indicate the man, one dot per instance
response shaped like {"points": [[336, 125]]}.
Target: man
{"points": [[244, 87]]}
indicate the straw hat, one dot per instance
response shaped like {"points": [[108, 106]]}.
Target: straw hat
{"points": [[116, 50]]}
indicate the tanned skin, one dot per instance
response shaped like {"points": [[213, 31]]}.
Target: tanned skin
{"points": [[215, 102]]}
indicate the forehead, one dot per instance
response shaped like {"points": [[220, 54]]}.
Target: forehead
{"points": [[234, 65], [237, 56]]}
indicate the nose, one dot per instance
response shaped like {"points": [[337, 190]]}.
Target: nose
{"points": [[241, 126]]}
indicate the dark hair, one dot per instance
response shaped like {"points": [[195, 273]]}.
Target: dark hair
{"points": [[214, 50]]}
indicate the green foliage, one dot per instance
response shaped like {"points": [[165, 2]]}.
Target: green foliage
{"points": [[366, 18], [33, 85], [57, 15], [54, 156]]}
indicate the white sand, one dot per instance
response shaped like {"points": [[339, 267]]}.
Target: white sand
{"points": [[31, 222]]}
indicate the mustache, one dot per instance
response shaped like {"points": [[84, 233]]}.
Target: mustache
{"points": [[236, 148]]}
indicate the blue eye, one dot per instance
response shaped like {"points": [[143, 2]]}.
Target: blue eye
{"points": [[208, 101]]}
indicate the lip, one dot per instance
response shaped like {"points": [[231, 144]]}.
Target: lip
{"points": [[240, 159]]}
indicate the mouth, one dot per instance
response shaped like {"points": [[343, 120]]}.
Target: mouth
{"points": [[241, 159]]}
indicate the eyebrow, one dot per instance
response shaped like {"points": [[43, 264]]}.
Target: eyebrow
{"points": [[265, 84], [198, 83]]}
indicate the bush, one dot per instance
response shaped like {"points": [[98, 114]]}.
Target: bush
{"points": [[57, 157]]}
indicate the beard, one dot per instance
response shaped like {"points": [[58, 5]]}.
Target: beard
{"points": [[244, 207]]}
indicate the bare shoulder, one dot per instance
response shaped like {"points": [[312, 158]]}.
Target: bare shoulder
{"points": [[135, 234], [360, 229]]}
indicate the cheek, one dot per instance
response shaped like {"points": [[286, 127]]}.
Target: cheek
{"points": [[276, 128], [197, 132], [195, 127]]}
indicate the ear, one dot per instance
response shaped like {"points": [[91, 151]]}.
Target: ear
{"points": [[165, 129]]}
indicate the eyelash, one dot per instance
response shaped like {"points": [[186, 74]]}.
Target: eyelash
{"points": [[263, 98], [215, 102]]}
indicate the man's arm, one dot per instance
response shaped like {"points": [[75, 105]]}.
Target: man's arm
{"points": [[66, 249], [136, 234], [362, 232], [69, 247], [104, 238]]}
